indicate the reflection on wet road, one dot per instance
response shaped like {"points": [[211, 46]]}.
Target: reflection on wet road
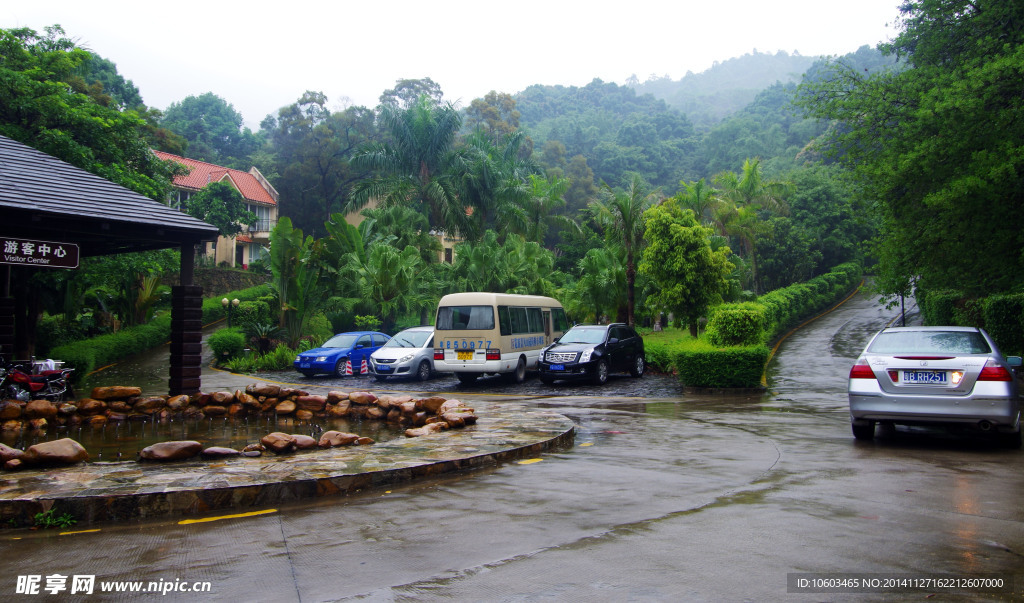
{"points": [[665, 496]]}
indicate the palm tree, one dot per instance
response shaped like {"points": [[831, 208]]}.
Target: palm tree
{"points": [[495, 182], [621, 214], [418, 167], [701, 199], [546, 196]]}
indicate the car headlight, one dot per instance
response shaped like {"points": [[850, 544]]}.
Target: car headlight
{"points": [[406, 358], [585, 355], [298, 359], [321, 358]]}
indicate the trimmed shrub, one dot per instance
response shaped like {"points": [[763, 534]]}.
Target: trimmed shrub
{"points": [[227, 343], [1004, 321], [319, 328], [723, 367], [737, 324], [938, 307]]}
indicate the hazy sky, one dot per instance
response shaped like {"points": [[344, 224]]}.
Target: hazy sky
{"points": [[260, 56]]}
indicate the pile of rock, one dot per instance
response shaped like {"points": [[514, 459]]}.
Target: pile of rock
{"points": [[421, 416], [57, 452]]}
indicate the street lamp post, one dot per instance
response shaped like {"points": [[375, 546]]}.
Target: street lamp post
{"points": [[229, 305]]}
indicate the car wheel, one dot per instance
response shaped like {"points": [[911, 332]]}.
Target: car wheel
{"points": [[637, 370], [864, 432], [519, 375], [601, 372], [466, 377], [339, 369], [423, 372]]}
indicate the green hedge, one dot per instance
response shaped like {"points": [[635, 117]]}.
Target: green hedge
{"points": [[227, 344], [87, 355], [723, 367], [737, 324], [1003, 317]]}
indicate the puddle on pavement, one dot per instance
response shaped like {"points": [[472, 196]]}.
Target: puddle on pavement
{"points": [[124, 440]]}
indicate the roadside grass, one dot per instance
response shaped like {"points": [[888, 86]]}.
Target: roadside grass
{"points": [[662, 347]]}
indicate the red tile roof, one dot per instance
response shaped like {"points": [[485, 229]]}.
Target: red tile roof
{"points": [[202, 173]]}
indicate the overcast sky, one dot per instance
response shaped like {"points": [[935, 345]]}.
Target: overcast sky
{"points": [[260, 56]]}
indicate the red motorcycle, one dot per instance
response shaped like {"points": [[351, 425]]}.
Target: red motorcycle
{"points": [[17, 384]]}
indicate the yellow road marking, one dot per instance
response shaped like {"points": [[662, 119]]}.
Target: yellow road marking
{"points": [[529, 461], [586, 444], [79, 532], [186, 522]]}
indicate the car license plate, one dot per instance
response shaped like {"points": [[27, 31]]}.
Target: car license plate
{"points": [[467, 355], [557, 367], [924, 377], [383, 369], [304, 365]]}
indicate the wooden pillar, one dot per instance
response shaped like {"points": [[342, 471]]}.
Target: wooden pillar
{"points": [[186, 329]]}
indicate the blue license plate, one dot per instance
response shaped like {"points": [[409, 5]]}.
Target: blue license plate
{"points": [[383, 369], [558, 367], [304, 365], [925, 377]]}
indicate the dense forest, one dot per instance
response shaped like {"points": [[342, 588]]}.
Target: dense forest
{"points": [[788, 165]]}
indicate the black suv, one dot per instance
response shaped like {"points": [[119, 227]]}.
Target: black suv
{"points": [[591, 352]]}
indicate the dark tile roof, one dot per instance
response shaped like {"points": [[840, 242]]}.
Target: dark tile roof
{"points": [[46, 198]]}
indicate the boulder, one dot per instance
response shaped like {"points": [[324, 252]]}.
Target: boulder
{"points": [[222, 398], [216, 452], [331, 439], [9, 409], [425, 430], [313, 403], [11, 425], [362, 398], [7, 453], [91, 406], [334, 396], [375, 413], [340, 409], [14, 465], [98, 420], [269, 390], [119, 406], [178, 403], [304, 442], [149, 405], [285, 407], [303, 414], [247, 400], [215, 410], [364, 441], [67, 409], [451, 405], [58, 452], [171, 451], [39, 424], [115, 392], [255, 446], [40, 409], [432, 404], [278, 442]]}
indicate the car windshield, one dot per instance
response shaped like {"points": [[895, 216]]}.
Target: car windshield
{"points": [[583, 336], [930, 342], [340, 341], [409, 339]]}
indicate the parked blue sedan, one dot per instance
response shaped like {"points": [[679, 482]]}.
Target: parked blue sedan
{"points": [[331, 358]]}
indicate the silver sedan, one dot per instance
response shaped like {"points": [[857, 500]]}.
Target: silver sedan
{"points": [[935, 375], [410, 353]]}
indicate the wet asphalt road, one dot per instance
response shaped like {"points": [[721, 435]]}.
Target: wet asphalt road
{"points": [[664, 497]]}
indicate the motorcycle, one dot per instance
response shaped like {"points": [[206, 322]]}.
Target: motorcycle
{"points": [[16, 384]]}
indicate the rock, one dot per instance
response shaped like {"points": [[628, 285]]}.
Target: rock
{"points": [[9, 409], [362, 398], [269, 390], [193, 412], [14, 465], [425, 430], [115, 392], [222, 398], [252, 453], [119, 406], [407, 408], [286, 407], [11, 426], [116, 416], [394, 415], [340, 409], [334, 397], [39, 424], [365, 441], [454, 419], [178, 403], [7, 453], [215, 410], [331, 439], [91, 406], [236, 410], [304, 442], [216, 452], [303, 414], [58, 452], [98, 420], [247, 400], [278, 442], [432, 404], [171, 451], [150, 405], [313, 403], [450, 405], [375, 413], [40, 409], [255, 446], [67, 409]]}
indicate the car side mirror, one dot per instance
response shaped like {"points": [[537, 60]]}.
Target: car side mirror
{"points": [[613, 340], [359, 346], [1014, 361]]}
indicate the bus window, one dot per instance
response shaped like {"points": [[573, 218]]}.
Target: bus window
{"points": [[519, 324], [561, 322], [503, 320], [536, 320], [451, 318]]}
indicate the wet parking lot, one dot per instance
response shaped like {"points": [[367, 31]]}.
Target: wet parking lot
{"points": [[665, 496]]}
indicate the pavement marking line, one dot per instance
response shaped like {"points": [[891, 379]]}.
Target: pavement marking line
{"points": [[185, 522], [586, 444], [79, 532], [529, 461]]}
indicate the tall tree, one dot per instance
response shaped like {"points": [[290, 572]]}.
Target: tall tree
{"points": [[621, 213], [939, 142], [213, 130], [220, 204], [417, 166]]}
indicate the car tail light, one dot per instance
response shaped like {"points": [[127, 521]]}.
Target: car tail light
{"points": [[994, 372], [438, 354], [493, 354], [861, 370]]}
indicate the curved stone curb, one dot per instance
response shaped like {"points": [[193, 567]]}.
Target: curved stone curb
{"points": [[101, 492]]}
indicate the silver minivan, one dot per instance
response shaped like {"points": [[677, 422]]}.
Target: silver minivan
{"points": [[410, 353], [935, 375]]}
